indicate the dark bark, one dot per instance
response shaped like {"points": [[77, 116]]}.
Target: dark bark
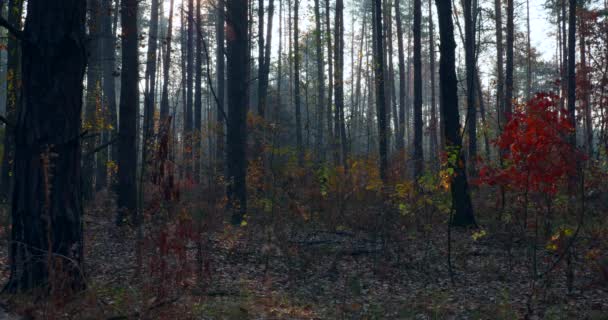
{"points": [[400, 142], [150, 82], [46, 235], [164, 100], [13, 97], [418, 153], [236, 157], [129, 103], [461, 199], [188, 119], [380, 92], [331, 135], [434, 145]]}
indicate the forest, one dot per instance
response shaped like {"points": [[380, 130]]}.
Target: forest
{"points": [[303, 159]]}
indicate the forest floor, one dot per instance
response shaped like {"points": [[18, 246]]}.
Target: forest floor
{"points": [[318, 274]]}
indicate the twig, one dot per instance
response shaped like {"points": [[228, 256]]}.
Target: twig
{"points": [[103, 146], [14, 31]]}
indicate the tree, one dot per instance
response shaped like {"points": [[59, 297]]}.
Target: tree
{"points": [[434, 145], [236, 156], [127, 155], [198, 95], [400, 142], [380, 92], [220, 81], [572, 69], [150, 82], [418, 155], [13, 96], [164, 100], [189, 106], [339, 121], [471, 73], [461, 199], [499, 64], [46, 239], [507, 106], [296, 81], [320, 79]]}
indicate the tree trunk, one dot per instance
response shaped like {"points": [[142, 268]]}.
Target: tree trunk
{"points": [[188, 136], [198, 95], [400, 142], [380, 92], [572, 69], [509, 68], [339, 127], [433, 127], [129, 105], [320, 81], [13, 97], [471, 123], [238, 55], [150, 82], [418, 153], [500, 101], [164, 100], [220, 81], [46, 235], [296, 82], [461, 199]]}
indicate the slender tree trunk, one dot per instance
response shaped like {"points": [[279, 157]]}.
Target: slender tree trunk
{"points": [[564, 69], [236, 157], [164, 100], [572, 69], [461, 199], [340, 127], [261, 95], [469, 26], [433, 127], [296, 81], [380, 90], [198, 95], [528, 54], [500, 101], [509, 68], [586, 88], [320, 81], [188, 133], [418, 153], [400, 142], [129, 103], [13, 97], [331, 135], [46, 232], [220, 80]]}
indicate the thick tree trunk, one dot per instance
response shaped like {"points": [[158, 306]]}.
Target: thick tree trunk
{"points": [[129, 105], [418, 153], [13, 97], [46, 235], [238, 55], [461, 199], [380, 91]]}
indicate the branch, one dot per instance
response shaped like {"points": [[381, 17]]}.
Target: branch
{"points": [[14, 31], [6, 122], [103, 146]]}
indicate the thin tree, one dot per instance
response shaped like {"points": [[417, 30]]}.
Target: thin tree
{"points": [[418, 153], [220, 82], [469, 38], [198, 95], [164, 100], [500, 101], [508, 102], [461, 199], [400, 140], [434, 145], [339, 121], [320, 80], [46, 244], [150, 81]]}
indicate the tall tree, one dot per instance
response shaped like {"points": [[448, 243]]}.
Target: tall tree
{"points": [[380, 92], [469, 36], [434, 145], [461, 199], [46, 237], [339, 121], [129, 103], [220, 81], [500, 101], [400, 142], [236, 156], [418, 154], [320, 80], [188, 119], [150, 81], [164, 100], [572, 69], [507, 107], [296, 81], [13, 89], [198, 95]]}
